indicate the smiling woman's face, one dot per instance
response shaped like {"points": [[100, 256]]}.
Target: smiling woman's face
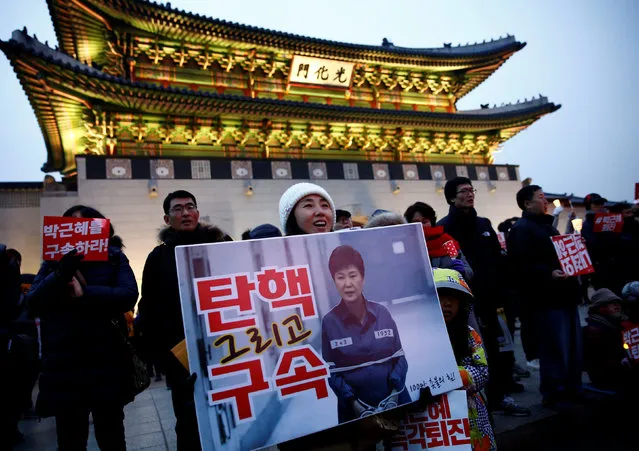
{"points": [[349, 283], [313, 214]]}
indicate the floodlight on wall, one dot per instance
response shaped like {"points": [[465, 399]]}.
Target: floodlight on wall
{"points": [[395, 188], [248, 190], [439, 184], [153, 188]]}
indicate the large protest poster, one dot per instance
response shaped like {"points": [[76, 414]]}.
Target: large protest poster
{"points": [[276, 332]]}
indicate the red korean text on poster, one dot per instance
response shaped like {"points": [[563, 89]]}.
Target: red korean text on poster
{"points": [[631, 342], [573, 255], [444, 425], [608, 222], [90, 236], [299, 369]]}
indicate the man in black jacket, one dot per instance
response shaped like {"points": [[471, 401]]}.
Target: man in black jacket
{"points": [[9, 310], [160, 311], [480, 245], [550, 295]]}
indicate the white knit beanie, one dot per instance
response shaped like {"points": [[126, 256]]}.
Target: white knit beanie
{"points": [[293, 195]]}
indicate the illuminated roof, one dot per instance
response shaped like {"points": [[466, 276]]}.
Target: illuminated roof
{"points": [[84, 27]]}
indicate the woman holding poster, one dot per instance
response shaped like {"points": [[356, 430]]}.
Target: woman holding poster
{"points": [[361, 344], [84, 367]]}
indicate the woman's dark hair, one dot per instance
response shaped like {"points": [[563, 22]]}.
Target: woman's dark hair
{"points": [[344, 256], [88, 212], [458, 326], [292, 227], [423, 209]]}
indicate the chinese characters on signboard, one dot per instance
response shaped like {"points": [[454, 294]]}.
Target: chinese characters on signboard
{"points": [[608, 222], [573, 255], [322, 72], [269, 332], [443, 425], [90, 236]]}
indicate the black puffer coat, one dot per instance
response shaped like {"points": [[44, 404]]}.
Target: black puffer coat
{"points": [[83, 360], [160, 310]]}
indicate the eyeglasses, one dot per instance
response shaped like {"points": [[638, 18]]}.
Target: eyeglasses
{"points": [[180, 209], [467, 191]]}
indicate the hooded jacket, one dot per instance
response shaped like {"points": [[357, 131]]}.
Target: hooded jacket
{"points": [[159, 310], [84, 363]]}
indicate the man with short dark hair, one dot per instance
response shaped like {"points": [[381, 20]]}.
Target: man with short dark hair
{"points": [[480, 245], [160, 312], [551, 298], [605, 248], [343, 220]]}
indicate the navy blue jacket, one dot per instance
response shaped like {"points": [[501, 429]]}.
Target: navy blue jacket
{"points": [[83, 361], [366, 360]]}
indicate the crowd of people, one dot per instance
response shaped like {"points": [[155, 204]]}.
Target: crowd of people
{"points": [[66, 328]]}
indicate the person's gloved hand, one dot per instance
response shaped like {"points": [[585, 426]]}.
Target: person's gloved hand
{"points": [[69, 264], [572, 215], [458, 266]]}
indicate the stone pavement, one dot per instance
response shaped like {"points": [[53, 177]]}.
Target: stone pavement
{"points": [[150, 423]]}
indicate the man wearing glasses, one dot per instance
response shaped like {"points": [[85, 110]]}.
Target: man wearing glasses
{"points": [[159, 310], [480, 245]]}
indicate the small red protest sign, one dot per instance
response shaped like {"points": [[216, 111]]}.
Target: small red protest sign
{"points": [[631, 342], [90, 236], [501, 236], [573, 255], [608, 222]]}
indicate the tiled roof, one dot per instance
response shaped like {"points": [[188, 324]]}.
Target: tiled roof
{"points": [[163, 20], [22, 42]]}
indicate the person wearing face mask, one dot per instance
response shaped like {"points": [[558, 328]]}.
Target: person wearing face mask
{"points": [[306, 208], [160, 313], [361, 344]]}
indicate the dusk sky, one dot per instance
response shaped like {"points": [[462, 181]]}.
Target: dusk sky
{"points": [[582, 54]]}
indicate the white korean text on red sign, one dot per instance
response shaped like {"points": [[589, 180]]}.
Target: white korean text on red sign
{"points": [[90, 236]]}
